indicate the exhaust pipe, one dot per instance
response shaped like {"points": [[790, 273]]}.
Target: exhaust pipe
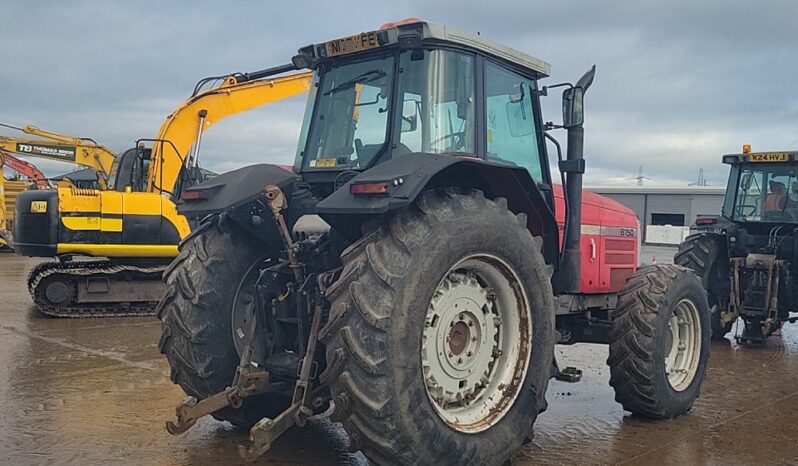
{"points": [[574, 167]]}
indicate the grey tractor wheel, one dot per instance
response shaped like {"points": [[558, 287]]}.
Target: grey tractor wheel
{"points": [[699, 253], [441, 334], [660, 342], [196, 316]]}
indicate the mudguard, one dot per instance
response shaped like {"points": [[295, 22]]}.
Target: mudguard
{"points": [[238, 196], [233, 189], [408, 175]]}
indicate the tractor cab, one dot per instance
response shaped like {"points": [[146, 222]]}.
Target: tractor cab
{"points": [[762, 188], [420, 88], [747, 257]]}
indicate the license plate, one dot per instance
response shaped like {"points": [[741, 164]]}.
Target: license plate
{"points": [[768, 157], [38, 207], [352, 44]]}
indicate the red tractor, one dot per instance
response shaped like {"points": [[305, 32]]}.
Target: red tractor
{"points": [[414, 271]]}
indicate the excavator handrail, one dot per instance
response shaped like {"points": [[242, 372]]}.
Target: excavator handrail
{"points": [[183, 128], [87, 152]]}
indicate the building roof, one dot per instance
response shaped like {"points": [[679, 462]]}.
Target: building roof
{"points": [[84, 174], [662, 190]]}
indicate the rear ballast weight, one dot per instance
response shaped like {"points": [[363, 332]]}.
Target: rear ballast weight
{"points": [[420, 293]]}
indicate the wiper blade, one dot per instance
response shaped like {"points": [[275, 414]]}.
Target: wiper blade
{"points": [[366, 77]]}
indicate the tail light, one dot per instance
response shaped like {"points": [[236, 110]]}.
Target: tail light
{"points": [[369, 188], [706, 221], [194, 195]]}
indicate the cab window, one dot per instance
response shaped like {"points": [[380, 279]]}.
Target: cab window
{"points": [[766, 192], [436, 88], [511, 132]]}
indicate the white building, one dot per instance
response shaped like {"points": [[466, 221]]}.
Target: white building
{"points": [[666, 213]]}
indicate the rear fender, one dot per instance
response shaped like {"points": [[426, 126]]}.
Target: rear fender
{"points": [[718, 279], [409, 175], [238, 196]]}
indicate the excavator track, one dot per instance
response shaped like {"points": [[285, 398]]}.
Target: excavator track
{"points": [[69, 277]]}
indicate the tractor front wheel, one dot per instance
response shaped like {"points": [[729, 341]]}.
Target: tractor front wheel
{"points": [[440, 339], [660, 342]]}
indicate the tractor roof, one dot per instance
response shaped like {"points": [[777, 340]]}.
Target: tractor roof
{"points": [[408, 32], [755, 157]]}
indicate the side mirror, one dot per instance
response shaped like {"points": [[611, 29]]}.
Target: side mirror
{"points": [[745, 181], [573, 112], [409, 116]]}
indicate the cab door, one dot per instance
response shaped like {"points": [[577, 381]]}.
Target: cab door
{"points": [[512, 132], [141, 218]]}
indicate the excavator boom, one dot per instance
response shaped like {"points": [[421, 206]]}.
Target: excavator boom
{"points": [[24, 168], [183, 128], [54, 146]]}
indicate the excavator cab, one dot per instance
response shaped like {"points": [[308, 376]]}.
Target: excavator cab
{"points": [[130, 173]]}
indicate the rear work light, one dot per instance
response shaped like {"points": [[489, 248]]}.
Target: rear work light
{"points": [[369, 188]]}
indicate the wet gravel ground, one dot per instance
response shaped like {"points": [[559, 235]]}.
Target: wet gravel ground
{"points": [[96, 391]]}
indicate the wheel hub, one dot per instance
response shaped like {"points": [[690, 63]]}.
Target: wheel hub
{"points": [[468, 358], [459, 337], [683, 345]]}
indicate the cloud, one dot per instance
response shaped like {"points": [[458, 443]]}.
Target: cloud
{"points": [[678, 84]]}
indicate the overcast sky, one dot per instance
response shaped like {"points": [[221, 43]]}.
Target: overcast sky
{"points": [[678, 83]]}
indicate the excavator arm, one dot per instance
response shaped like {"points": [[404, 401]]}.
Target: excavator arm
{"points": [[24, 168], [184, 127], [54, 146]]}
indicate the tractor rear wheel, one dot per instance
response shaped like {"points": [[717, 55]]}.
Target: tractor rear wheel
{"points": [[699, 253], [196, 314], [441, 334], [660, 340]]}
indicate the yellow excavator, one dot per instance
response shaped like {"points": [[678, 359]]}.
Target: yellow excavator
{"points": [[132, 229], [50, 146], [54, 146]]}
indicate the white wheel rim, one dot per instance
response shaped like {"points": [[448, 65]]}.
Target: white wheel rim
{"points": [[476, 343], [683, 345]]}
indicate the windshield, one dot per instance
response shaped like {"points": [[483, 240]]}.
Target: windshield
{"points": [[349, 126], [766, 192]]}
